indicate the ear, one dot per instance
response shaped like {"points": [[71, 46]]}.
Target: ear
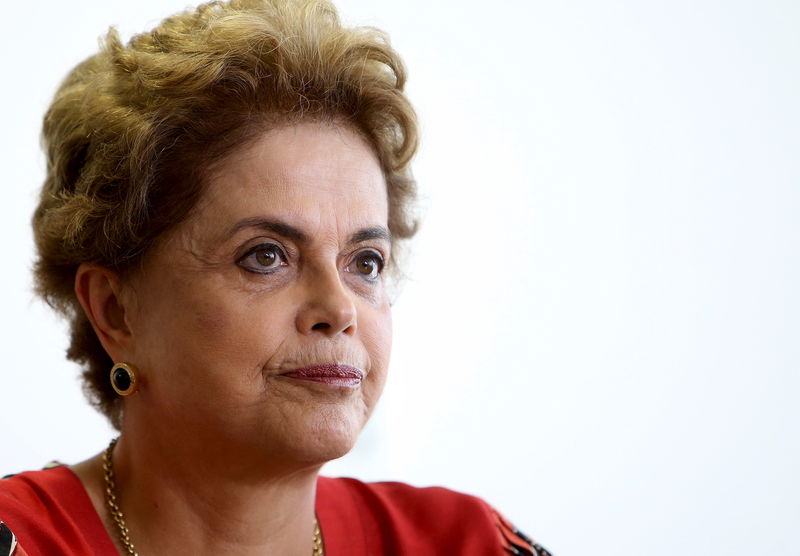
{"points": [[99, 292]]}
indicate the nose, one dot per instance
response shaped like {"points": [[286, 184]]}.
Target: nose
{"points": [[328, 306]]}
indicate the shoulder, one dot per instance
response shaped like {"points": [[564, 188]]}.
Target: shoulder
{"points": [[24, 501], [406, 499], [431, 520], [48, 512], [31, 491]]}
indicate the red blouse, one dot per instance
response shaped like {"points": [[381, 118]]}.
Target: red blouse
{"points": [[49, 513]]}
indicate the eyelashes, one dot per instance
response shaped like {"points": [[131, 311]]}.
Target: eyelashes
{"points": [[368, 264], [267, 258]]}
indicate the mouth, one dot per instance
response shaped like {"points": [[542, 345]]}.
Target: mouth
{"points": [[337, 375]]}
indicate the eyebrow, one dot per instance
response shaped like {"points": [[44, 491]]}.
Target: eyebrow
{"points": [[287, 230], [374, 232], [275, 226]]}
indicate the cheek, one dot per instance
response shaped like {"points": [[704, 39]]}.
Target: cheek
{"points": [[202, 337], [377, 338], [238, 334]]}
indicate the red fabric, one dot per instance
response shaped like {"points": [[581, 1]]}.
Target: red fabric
{"points": [[394, 518], [51, 515]]}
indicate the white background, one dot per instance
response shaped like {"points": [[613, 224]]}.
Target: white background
{"points": [[600, 331]]}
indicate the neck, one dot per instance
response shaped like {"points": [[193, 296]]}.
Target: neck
{"points": [[178, 501]]}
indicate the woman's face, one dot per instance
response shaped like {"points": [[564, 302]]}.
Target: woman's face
{"points": [[253, 320]]}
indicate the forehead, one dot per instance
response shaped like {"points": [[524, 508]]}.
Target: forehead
{"points": [[313, 175]]}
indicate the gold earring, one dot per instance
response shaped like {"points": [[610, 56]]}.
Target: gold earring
{"points": [[123, 379]]}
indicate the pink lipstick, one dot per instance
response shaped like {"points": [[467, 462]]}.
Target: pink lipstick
{"points": [[332, 374]]}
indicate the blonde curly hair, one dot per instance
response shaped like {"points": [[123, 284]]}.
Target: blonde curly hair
{"points": [[133, 130]]}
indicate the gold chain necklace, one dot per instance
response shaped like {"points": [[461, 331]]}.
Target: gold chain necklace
{"points": [[119, 518]]}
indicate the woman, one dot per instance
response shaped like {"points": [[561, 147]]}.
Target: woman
{"points": [[222, 207]]}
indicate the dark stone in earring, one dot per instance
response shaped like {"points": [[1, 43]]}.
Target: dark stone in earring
{"points": [[122, 380]]}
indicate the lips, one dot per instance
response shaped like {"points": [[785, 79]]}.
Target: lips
{"points": [[332, 374]]}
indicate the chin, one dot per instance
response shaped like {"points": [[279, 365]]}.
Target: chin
{"points": [[330, 436]]}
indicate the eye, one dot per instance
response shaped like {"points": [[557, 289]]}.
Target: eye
{"points": [[263, 259], [368, 264]]}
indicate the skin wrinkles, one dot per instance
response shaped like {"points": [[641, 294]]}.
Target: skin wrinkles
{"points": [[231, 312], [219, 252]]}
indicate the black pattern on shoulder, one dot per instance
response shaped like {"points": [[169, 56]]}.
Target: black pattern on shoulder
{"points": [[515, 541], [8, 542]]}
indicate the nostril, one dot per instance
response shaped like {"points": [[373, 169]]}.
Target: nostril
{"points": [[321, 326]]}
